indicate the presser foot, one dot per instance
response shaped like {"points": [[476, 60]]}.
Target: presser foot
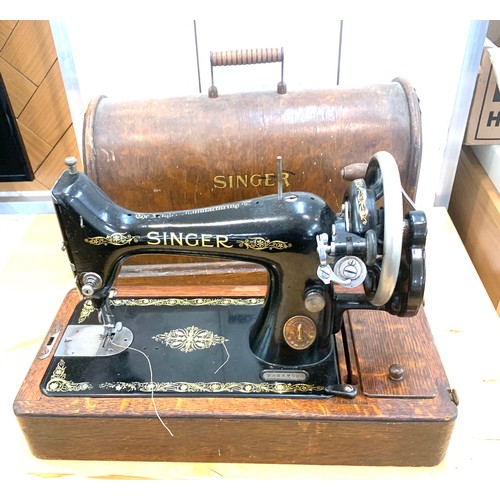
{"points": [[94, 340]]}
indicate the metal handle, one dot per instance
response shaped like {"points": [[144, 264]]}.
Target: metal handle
{"points": [[246, 56]]}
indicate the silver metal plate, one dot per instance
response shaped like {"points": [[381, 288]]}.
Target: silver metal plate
{"points": [[284, 375], [89, 340]]}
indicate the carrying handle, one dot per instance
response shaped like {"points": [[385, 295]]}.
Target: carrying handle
{"points": [[246, 56]]}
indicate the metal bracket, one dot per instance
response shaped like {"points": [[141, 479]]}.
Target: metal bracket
{"points": [[344, 390]]}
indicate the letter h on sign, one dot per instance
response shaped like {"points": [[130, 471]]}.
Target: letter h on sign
{"points": [[492, 117]]}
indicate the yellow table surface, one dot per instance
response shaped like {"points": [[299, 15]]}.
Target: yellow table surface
{"points": [[35, 276]]}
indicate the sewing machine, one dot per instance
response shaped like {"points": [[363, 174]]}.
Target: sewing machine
{"points": [[294, 331], [331, 362], [285, 342]]}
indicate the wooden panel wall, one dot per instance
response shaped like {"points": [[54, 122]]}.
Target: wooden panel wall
{"points": [[475, 211], [30, 69]]}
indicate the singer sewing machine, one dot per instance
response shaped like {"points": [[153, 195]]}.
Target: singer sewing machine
{"points": [[283, 344], [331, 363]]}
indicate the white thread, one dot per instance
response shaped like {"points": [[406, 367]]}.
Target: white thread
{"points": [[152, 384], [227, 358]]}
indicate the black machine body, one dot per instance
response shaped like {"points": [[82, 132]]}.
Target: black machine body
{"points": [[320, 263]]}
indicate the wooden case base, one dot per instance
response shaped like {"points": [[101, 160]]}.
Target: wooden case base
{"points": [[400, 423]]}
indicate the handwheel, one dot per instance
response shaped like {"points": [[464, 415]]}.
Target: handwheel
{"points": [[382, 175]]}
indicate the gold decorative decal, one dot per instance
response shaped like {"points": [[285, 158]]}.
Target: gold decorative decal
{"points": [[214, 387], [58, 382], [117, 239], [260, 243], [362, 209], [189, 339], [199, 301], [87, 309], [299, 332]]}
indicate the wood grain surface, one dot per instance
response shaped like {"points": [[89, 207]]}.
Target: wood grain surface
{"points": [[182, 153], [410, 425], [475, 210]]}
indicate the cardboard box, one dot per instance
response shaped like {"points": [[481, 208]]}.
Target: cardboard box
{"points": [[483, 126]]}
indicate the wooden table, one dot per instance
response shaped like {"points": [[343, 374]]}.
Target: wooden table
{"points": [[35, 277]]}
